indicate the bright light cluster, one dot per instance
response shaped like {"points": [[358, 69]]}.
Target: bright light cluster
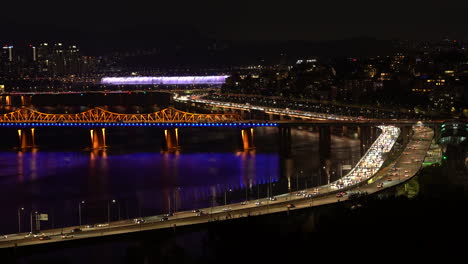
{"points": [[288, 112], [174, 80], [371, 162]]}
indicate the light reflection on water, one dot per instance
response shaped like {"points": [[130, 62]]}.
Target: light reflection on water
{"points": [[150, 182]]}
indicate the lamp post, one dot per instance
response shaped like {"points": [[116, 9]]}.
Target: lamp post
{"points": [[108, 210], [31, 219], [225, 196], [79, 211], [297, 182], [19, 218]]}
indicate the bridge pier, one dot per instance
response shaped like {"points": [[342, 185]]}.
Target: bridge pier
{"points": [[26, 100], [325, 141], [344, 131], [98, 138], [247, 138], [404, 135], [271, 117], [26, 138], [284, 138], [171, 139], [8, 100], [365, 138]]}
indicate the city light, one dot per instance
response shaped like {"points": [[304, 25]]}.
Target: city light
{"points": [[173, 80]]}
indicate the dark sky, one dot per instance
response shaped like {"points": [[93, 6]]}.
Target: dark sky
{"points": [[233, 20]]}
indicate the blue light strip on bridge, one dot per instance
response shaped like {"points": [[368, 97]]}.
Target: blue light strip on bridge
{"points": [[161, 125]]}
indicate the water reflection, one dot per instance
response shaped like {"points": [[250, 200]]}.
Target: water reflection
{"points": [[148, 182]]}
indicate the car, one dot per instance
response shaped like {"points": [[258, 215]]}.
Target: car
{"points": [[406, 175], [164, 218], [102, 225], [299, 194], [75, 230], [65, 236], [195, 211], [138, 220], [258, 203], [309, 195], [344, 193], [380, 185], [44, 237], [406, 171], [200, 213], [31, 234], [273, 199], [290, 206], [226, 209], [90, 226], [244, 203], [4, 237], [339, 195]]}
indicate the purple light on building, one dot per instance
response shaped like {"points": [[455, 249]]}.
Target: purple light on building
{"points": [[174, 80]]}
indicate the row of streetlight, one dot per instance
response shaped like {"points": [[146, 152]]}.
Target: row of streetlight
{"points": [[80, 205], [21, 209]]}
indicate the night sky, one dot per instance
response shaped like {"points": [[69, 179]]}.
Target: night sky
{"points": [[257, 20]]}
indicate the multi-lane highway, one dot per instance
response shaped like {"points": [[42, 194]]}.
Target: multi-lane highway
{"points": [[365, 177], [299, 114]]}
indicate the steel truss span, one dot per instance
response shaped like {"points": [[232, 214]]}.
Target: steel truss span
{"points": [[97, 114], [174, 80]]}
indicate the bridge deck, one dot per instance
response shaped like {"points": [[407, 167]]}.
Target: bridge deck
{"points": [[410, 161]]}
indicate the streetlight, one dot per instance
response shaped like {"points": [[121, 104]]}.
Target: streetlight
{"points": [[79, 211], [108, 210], [297, 182], [176, 193], [19, 218], [225, 201], [31, 219]]}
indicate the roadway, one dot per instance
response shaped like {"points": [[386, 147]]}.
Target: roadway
{"points": [[304, 117], [362, 178]]}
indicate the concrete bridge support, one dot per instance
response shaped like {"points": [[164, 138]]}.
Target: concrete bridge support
{"points": [[271, 117], [26, 100], [404, 135], [8, 100], [324, 154], [365, 138], [98, 138], [247, 138], [324, 141], [284, 138], [171, 139], [26, 138], [344, 131]]}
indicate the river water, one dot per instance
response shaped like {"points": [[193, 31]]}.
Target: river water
{"points": [[133, 177]]}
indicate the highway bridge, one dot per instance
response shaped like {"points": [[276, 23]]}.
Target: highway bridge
{"points": [[368, 176]]}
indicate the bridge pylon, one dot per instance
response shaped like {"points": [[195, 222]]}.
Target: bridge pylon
{"points": [[98, 138], [284, 138], [171, 139], [26, 138], [248, 138]]}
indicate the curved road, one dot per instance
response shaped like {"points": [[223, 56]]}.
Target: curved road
{"points": [[403, 169]]}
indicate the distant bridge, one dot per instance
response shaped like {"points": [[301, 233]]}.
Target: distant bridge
{"points": [[99, 115], [98, 119]]}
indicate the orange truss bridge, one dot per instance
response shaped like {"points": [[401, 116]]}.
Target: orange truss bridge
{"points": [[99, 115]]}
